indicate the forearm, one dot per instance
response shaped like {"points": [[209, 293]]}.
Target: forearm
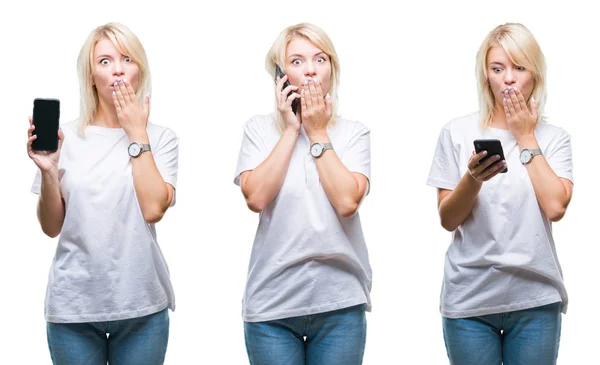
{"points": [[51, 209], [261, 185], [150, 188], [457, 205], [550, 191], [341, 186]]}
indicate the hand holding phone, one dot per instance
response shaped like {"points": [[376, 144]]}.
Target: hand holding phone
{"points": [[488, 161], [279, 74], [44, 136]]}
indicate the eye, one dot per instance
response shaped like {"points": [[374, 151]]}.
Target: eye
{"points": [[321, 59], [520, 68], [296, 62], [104, 61], [496, 69], [127, 59]]}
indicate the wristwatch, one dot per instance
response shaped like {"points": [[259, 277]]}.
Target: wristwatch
{"points": [[317, 149], [527, 155], [135, 149]]}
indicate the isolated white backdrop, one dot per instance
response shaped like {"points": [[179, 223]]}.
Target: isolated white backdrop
{"points": [[406, 70]]}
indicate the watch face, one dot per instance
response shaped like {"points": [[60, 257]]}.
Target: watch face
{"points": [[316, 149], [134, 149], [525, 156]]}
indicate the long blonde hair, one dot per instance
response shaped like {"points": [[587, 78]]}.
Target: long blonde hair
{"points": [[128, 44], [316, 35], [523, 50]]}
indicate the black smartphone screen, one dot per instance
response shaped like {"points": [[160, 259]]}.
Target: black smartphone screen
{"points": [[46, 114], [279, 73], [492, 146]]}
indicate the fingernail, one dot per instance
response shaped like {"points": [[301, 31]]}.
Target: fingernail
{"points": [[114, 93], [533, 99], [327, 96], [305, 82], [504, 100], [116, 84], [484, 153], [124, 80], [515, 88], [504, 163], [506, 92], [302, 92]]}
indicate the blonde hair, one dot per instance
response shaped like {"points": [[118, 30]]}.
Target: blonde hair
{"points": [[316, 35], [522, 49], [128, 44]]}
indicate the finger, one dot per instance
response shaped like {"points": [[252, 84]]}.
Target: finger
{"points": [[30, 142], [303, 102], [475, 158], [509, 103], [314, 100], [329, 105], [285, 92], [279, 84], [291, 98], [479, 169], [30, 120], [124, 93], [533, 107], [320, 98], [116, 101], [130, 91], [494, 170], [514, 100], [146, 105], [308, 95], [521, 99], [506, 109], [30, 130]]}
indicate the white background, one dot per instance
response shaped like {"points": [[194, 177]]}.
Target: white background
{"points": [[406, 71]]}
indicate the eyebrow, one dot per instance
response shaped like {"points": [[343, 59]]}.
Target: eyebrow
{"points": [[104, 56], [496, 63], [301, 56]]}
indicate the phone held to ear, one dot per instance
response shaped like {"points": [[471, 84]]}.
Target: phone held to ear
{"points": [[46, 114], [279, 73], [492, 146]]}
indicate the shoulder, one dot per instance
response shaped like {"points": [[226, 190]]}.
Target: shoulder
{"points": [[551, 131], [261, 121], [463, 123], [160, 132]]}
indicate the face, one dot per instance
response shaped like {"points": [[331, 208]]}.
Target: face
{"points": [[303, 60], [108, 65], [502, 74]]}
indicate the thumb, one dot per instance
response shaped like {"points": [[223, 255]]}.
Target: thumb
{"points": [[61, 138]]}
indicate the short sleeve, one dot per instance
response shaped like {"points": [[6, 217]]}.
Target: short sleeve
{"points": [[36, 187], [253, 149], [166, 157], [444, 172], [558, 155], [357, 156]]}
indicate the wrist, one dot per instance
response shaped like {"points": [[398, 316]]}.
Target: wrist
{"points": [[473, 181], [51, 174], [292, 131], [318, 136], [528, 141]]}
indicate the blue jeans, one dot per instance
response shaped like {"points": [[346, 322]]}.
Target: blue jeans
{"points": [[525, 337], [332, 338], [132, 341]]}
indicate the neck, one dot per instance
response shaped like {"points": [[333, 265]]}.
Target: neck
{"points": [[499, 119], [106, 116]]}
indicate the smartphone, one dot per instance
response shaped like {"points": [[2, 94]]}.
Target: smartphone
{"points": [[492, 146], [46, 113], [279, 73]]}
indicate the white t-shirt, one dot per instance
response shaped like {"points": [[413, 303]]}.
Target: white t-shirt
{"points": [[107, 265], [502, 257], [306, 259]]}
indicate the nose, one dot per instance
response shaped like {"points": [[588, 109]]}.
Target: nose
{"points": [[509, 77], [118, 69], [310, 69]]}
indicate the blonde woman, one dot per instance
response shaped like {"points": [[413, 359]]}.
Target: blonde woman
{"points": [[503, 290], [111, 179], [306, 173]]}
